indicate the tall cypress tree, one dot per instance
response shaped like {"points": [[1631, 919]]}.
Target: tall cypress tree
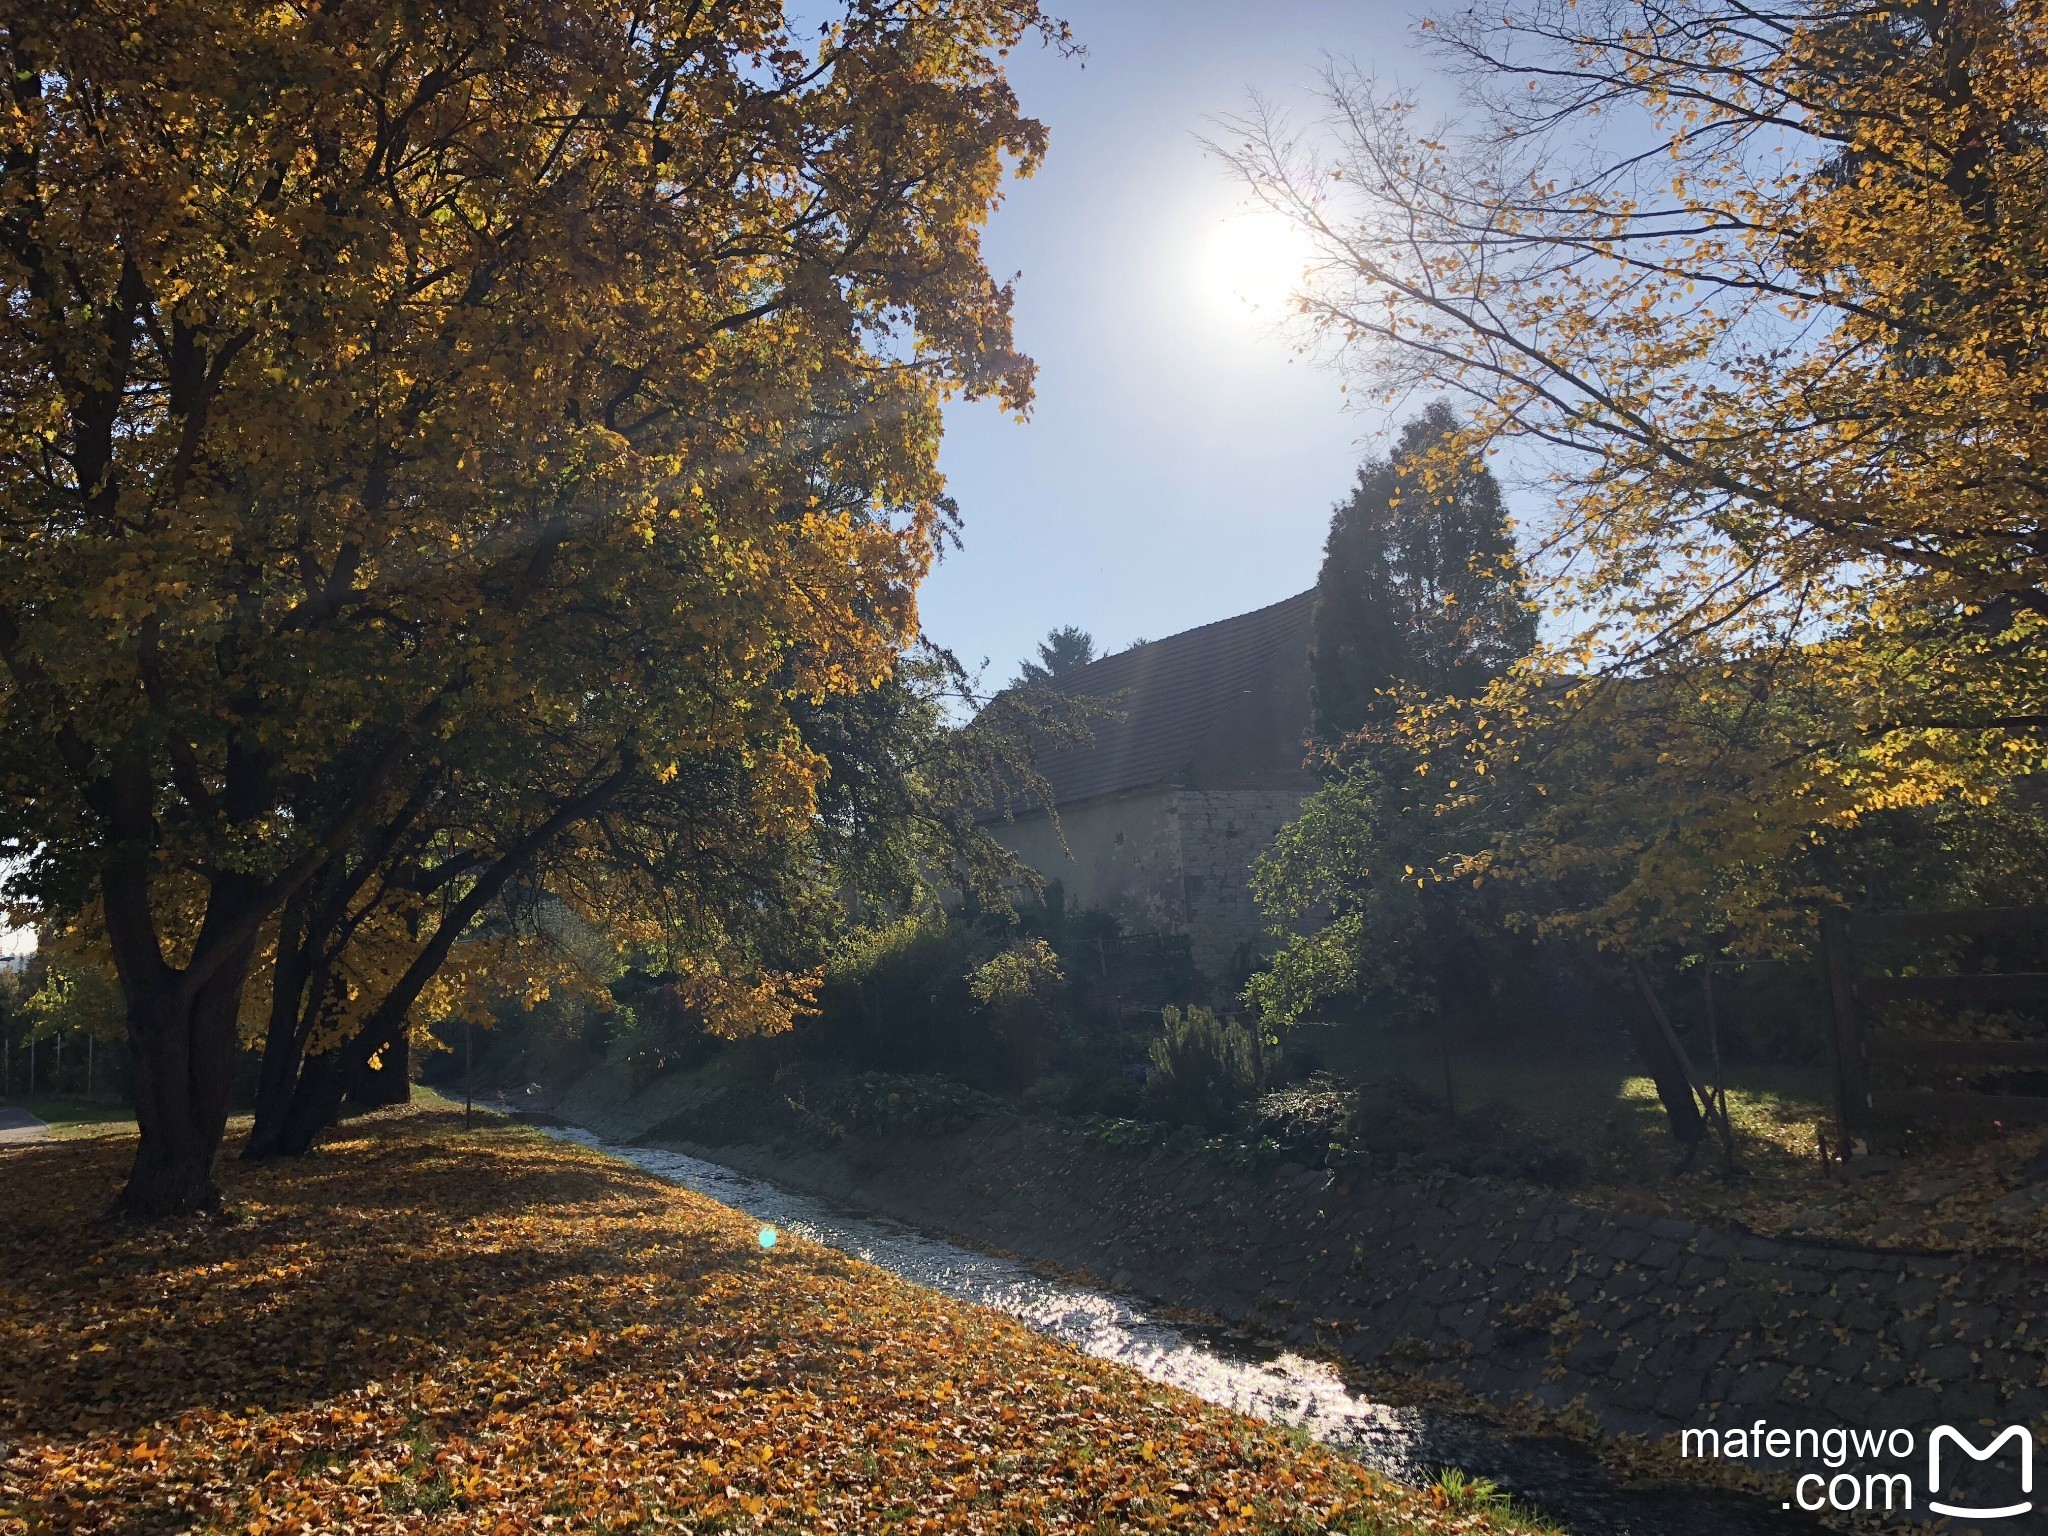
{"points": [[1421, 586]]}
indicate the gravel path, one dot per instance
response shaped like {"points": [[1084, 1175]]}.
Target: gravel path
{"points": [[20, 1125]]}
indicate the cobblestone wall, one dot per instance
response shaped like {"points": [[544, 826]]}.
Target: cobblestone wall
{"points": [[1652, 1324]]}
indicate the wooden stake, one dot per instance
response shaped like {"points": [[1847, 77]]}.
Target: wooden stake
{"points": [[1443, 1047]]}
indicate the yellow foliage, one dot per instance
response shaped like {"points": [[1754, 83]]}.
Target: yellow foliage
{"points": [[1783, 381], [441, 445]]}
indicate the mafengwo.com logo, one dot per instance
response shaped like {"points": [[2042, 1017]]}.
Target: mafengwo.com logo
{"points": [[1988, 1475]]}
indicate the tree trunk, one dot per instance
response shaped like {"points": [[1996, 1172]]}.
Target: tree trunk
{"points": [[328, 1080], [282, 1053], [184, 1070], [293, 1013], [182, 1026], [316, 1101], [325, 1080], [1673, 1088]]}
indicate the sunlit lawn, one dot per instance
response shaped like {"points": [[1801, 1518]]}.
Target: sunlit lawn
{"points": [[1942, 1196], [1588, 1106]]}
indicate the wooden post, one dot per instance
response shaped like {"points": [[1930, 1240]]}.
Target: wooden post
{"points": [[1443, 1046], [468, 1066], [88, 1064], [1845, 1038]]}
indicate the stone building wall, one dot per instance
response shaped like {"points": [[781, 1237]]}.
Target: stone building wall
{"points": [[1121, 853], [1222, 832], [1164, 860]]}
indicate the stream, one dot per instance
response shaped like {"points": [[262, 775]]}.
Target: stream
{"points": [[1408, 1444]]}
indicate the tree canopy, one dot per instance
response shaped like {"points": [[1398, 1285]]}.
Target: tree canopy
{"points": [[1063, 650], [442, 448], [1421, 587], [1759, 291]]}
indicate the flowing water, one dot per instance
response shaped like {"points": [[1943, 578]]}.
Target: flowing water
{"points": [[1408, 1444]]}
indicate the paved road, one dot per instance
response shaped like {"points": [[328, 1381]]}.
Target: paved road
{"points": [[20, 1125]]}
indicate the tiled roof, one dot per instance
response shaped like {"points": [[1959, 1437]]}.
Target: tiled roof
{"points": [[1225, 706]]}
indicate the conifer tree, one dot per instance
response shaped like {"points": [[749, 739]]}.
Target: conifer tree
{"points": [[1420, 589], [1063, 650]]}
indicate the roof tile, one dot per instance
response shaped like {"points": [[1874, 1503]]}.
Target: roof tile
{"points": [[1225, 706]]}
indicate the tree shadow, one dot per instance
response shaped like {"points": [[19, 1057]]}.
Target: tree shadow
{"points": [[394, 1257]]}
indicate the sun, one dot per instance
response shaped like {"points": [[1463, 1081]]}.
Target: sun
{"points": [[1254, 263]]}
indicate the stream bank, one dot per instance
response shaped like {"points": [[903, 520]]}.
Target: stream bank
{"points": [[1630, 1325], [1555, 1478]]}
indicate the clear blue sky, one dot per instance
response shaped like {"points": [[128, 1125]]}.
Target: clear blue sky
{"points": [[1181, 463]]}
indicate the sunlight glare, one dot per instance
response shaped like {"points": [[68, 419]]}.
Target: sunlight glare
{"points": [[1254, 263]]}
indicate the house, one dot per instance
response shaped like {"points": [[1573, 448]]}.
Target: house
{"points": [[1184, 785]]}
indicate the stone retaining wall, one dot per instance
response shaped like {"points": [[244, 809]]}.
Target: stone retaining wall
{"points": [[1651, 1324]]}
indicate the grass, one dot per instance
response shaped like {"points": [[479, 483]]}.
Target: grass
{"points": [[1959, 1196], [493, 1331], [1583, 1105], [1606, 1115], [70, 1119]]}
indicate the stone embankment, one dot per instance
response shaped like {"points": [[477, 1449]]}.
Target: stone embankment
{"points": [[1646, 1324]]}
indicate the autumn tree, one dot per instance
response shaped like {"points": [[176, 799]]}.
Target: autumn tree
{"points": [[1421, 586], [443, 446], [1760, 291]]}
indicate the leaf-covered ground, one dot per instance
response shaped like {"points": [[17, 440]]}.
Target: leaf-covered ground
{"points": [[492, 1332]]}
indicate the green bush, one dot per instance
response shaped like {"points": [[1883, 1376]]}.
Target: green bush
{"points": [[896, 999], [964, 995], [881, 1104], [1021, 994], [1204, 1069]]}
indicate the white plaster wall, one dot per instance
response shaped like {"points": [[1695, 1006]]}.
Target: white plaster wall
{"points": [[1122, 854]]}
